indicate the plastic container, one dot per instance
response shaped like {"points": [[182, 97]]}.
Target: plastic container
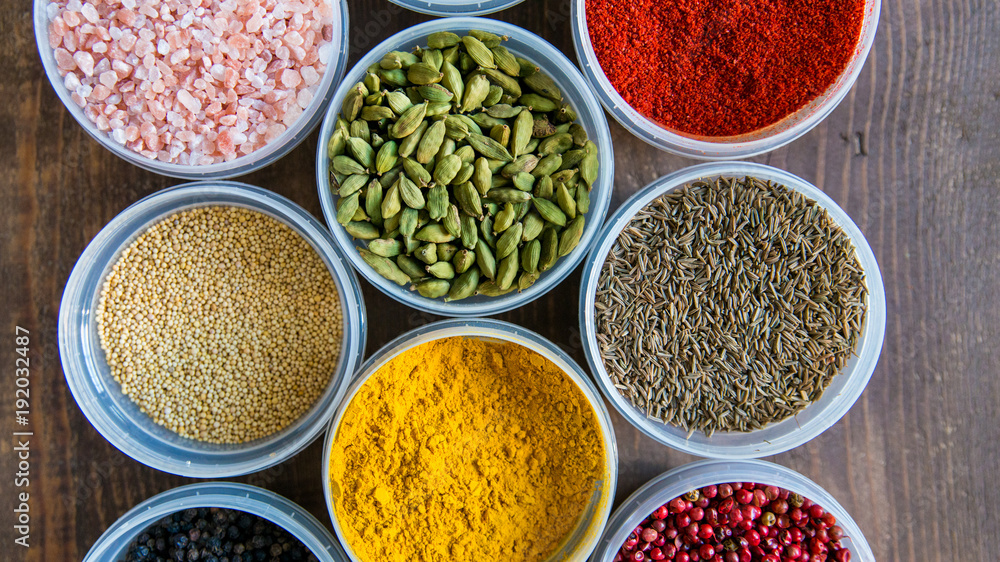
{"points": [[257, 159], [762, 140], [681, 480], [581, 542], [456, 8], [816, 418], [113, 544], [116, 417], [522, 43]]}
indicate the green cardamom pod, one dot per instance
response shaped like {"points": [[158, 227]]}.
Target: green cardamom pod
{"points": [[527, 280], [464, 286], [496, 92], [352, 104], [501, 134], [409, 222], [489, 148], [417, 173], [388, 155], [373, 202], [549, 211], [569, 238], [346, 165], [529, 256], [398, 102], [523, 163], [532, 145], [452, 80], [446, 251], [435, 93], [376, 113], [527, 67], [452, 222], [476, 90], [362, 152], [579, 134], [485, 122], [572, 158], [489, 39], [352, 184], [361, 130], [521, 132], [538, 104], [509, 240], [437, 202], [466, 153], [411, 267], [406, 59], [446, 169], [395, 77], [482, 177], [468, 199], [566, 114], [542, 128], [470, 123], [556, 144], [410, 193], [463, 260], [433, 288], [542, 84], [547, 165], [566, 201], [588, 169], [470, 234], [550, 249], [431, 142], [486, 231], [504, 111], [409, 144], [346, 207], [507, 269], [385, 267], [432, 57], [485, 260], [390, 61], [427, 253], [504, 219], [480, 53], [464, 173], [544, 188], [441, 270], [442, 40], [423, 74], [385, 248], [506, 62], [508, 195], [455, 128], [408, 122], [362, 230], [337, 144], [524, 181], [533, 225], [490, 289], [511, 86], [434, 232], [582, 199]]}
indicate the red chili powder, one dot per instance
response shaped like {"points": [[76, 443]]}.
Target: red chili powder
{"points": [[722, 67]]}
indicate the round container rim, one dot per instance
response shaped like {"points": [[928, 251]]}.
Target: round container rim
{"points": [[79, 376], [698, 474], [231, 495], [498, 329], [675, 143], [445, 8], [601, 193], [870, 344], [264, 156]]}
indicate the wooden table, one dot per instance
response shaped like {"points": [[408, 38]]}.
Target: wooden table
{"points": [[912, 154]]}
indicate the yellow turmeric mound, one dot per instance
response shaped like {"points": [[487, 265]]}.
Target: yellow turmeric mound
{"points": [[465, 449]]}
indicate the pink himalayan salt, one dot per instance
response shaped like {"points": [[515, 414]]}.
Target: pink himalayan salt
{"points": [[192, 82]]}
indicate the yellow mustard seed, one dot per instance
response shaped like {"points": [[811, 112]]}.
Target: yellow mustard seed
{"points": [[221, 323]]}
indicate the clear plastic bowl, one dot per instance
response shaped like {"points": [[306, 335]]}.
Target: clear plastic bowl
{"points": [[683, 479], [116, 417], [113, 544], [762, 140], [578, 546], [576, 91], [257, 159], [455, 7], [844, 389]]}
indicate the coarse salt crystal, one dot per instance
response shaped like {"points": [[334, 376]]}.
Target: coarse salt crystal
{"points": [[109, 78], [162, 47], [309, 75], [85, 61], [290, 78], [71, 81], [90, 12], [189, 101], [304, 98]]}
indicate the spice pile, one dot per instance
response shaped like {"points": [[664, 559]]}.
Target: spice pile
{"points": [[464, 449], [722, 67], [191, 83], [212, 533], [729, 305], [462, 167], [737, 522], [221, 323]]}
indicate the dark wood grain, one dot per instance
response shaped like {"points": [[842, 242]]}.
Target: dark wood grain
{"points": [[914, 460]]}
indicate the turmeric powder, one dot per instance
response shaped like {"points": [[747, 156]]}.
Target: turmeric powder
{"points": [[465, 449]]}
